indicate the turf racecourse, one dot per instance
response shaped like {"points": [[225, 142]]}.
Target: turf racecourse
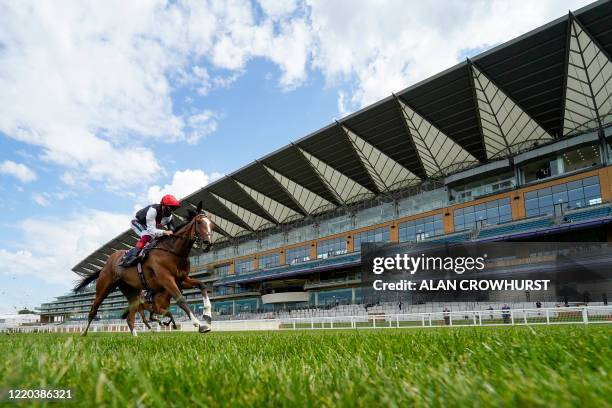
{"points": [[508, 366]]}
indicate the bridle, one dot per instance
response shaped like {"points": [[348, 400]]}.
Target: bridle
{"points": [[192, 232]]}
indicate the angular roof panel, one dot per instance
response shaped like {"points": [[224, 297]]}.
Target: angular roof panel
{"points": [[447, 101], [332, 147], [383, 126]]}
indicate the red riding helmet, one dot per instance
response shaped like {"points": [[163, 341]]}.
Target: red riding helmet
{"points": [[170, 201]]}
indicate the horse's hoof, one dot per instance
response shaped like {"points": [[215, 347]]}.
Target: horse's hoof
{"points": [[204, 329]]}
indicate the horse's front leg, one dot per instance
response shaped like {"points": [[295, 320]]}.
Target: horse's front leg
{"points": [[190, 283]]}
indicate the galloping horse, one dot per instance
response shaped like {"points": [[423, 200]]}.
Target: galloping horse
{"points": [[159, 305], [165, 269]]}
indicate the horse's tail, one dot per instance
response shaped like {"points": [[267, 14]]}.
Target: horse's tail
{"points": [[86, 281]]}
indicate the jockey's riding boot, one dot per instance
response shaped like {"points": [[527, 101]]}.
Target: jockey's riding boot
{"points": [[130, 256]]}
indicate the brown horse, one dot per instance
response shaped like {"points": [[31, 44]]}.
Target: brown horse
{"points": [[165, 269], [159, 306]]}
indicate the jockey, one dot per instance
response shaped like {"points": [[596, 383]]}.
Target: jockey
{"points": [[148, 224]]}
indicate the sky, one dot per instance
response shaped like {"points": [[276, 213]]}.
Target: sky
{"points": [[106, 106]]}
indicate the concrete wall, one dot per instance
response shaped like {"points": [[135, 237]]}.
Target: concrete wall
{"points": [[285, 297]]}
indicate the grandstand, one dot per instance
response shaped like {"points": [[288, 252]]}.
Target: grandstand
{"points": [[514, 144]]}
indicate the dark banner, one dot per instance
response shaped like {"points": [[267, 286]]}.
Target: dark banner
{"points": [[576, 272]]}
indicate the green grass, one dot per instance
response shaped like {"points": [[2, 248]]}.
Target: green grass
{"points": [[488, 366]]}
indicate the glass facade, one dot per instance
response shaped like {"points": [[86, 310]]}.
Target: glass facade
{"points": [[335, 225], [223, 308], [374, 235], [297, 255], [269, 261], [419, 229], [489, 185], [567, 162], [245, 306], [375, 215], [247, 248], [222, 270], [243, 266], [223, 253], [420, 203], [562, 197], [300, 234], [240, 289], [272, 241], [490, 213], [335, 297], [331, 247]]}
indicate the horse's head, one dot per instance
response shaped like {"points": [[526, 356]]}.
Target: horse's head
{"points": [[202, 227]]}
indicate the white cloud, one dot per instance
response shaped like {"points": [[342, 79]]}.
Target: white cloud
{"points": [[90, 84], [183, 183], [203, 82], [201, 124], [44, 199], [376, 48], [73, 239], [20, 171]]}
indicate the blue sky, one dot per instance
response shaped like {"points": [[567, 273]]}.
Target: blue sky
{"points": [[105, 106]]}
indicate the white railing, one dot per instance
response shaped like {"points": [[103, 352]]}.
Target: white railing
{"points": [[509, 317], [512, 317]]}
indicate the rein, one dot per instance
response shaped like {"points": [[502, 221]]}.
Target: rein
{"points": [[188, 237]]}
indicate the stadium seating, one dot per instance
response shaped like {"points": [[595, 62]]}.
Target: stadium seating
{"points": [[515, 227], [586, 214], [451, 238], [298, 267]]}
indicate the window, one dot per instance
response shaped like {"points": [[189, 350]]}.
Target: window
{"points": [[335, 225], [246, 248], [422, 202], [331, 247], [243, 266], [246, 306], [223, 308], [490, 185], [375, 215], [419, 229], [221, 291], [298, 254], [573, 160], [567, 196], [272, 241], [240, 289], [375, 235], [336, 297], [269, 261], [222, 270], [586, 156], [490, 213], [541, 169]]}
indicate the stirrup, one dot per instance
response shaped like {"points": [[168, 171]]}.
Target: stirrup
{"points": [[129, 257]]}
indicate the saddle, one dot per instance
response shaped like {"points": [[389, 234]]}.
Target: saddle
{"points": [[134, 255]]}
